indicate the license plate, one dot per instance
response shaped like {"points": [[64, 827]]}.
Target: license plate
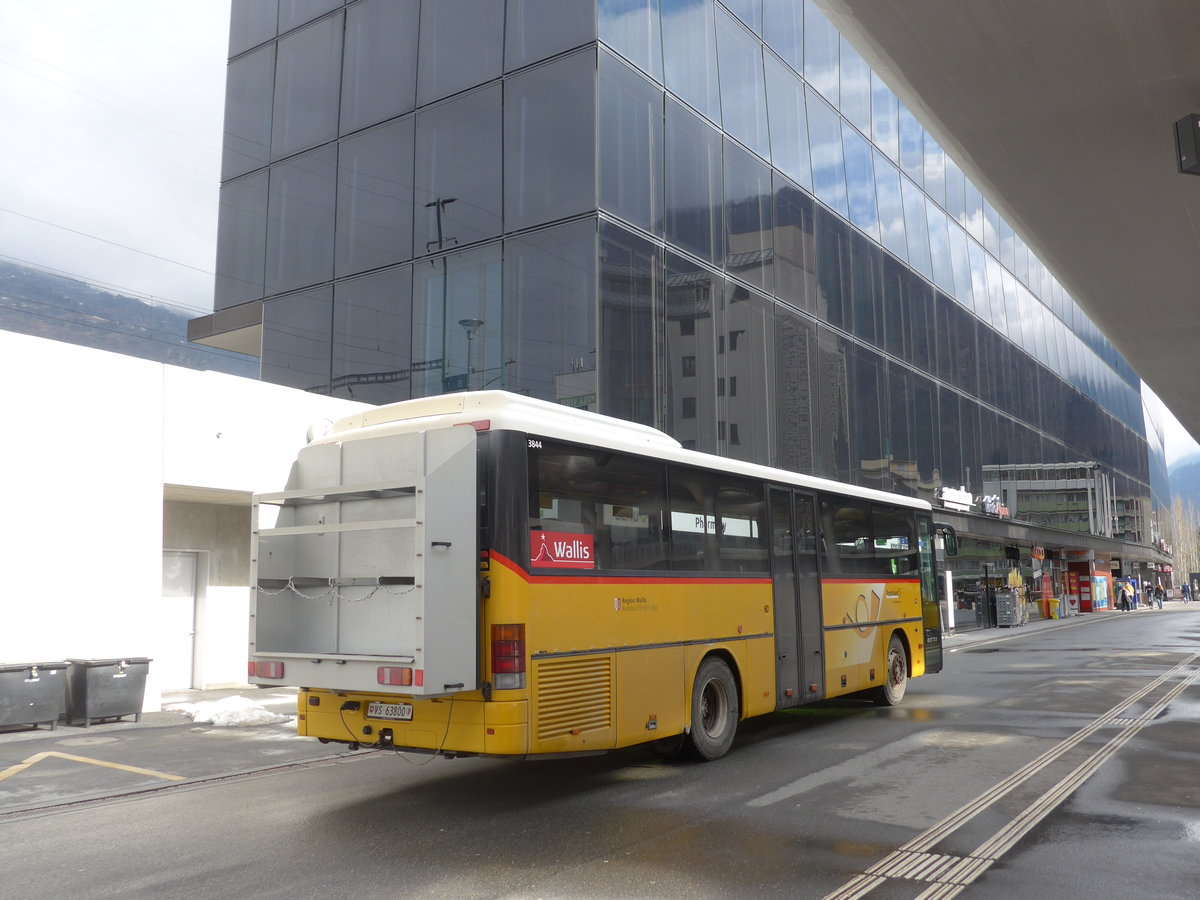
{"points": [[397, 712]]}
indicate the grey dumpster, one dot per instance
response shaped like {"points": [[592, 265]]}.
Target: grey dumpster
{"points": [[32, 693], [106, 688]]}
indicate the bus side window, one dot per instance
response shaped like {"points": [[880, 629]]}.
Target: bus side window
{"points": [[895, 540], [717, 523]]}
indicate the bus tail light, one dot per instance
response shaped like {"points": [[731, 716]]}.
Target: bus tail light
{"points": [[264, 669], [401, 676], [508, 657]]}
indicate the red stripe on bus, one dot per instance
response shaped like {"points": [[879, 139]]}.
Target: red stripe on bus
{"points": [[618, 579]]}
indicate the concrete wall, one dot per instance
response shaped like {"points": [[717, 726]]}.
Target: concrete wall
{"points": [[91, 443]]}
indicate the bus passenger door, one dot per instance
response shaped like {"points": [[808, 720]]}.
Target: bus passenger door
{"points": [[799, 661], [931, 608]]}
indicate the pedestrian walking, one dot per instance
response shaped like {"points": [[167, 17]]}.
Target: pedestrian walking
{"points": [[1186, 591], [1126, 594], [1159, 594]]}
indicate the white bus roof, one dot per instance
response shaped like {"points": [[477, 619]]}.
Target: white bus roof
{"points": [[506, 411]]}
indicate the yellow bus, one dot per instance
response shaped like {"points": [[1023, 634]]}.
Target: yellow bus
{"points": [[484, 573]]}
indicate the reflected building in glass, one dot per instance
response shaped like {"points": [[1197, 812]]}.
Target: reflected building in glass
{"points": [[709, 217]]}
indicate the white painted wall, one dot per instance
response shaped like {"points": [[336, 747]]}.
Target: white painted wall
{"points": [[88, 440]]}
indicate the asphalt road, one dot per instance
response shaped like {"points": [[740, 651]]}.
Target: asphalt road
{"points": [[1052, 763]]}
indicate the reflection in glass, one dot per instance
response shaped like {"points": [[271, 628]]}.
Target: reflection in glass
{"points": [[550, 316], [745, 379], [866, 288], [631, 145], [372, 321], [917, 228], [912, 145], [825, 141], [885, 118], [252, 23], [297, 340], [794, 384], [631, 292], [935, 170], [375, 198], [381, 49], [538, 29], [458, 176], [831, 407], [300, 220], [747, 211], [457, 322], [743, 93], [821, 45], [297, 12], [693, 183], [692, 294], [550, 141], [788, 122], [964, 283], [241, 241], [249, 87], [860, 182], [690, 55], [783, 30], [891, 207], [631, 27], [469, 37], [939, 248], [855, 88], [308, 73], [794, 264]]}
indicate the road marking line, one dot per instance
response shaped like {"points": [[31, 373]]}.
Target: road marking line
{"points": [[38, 757], [951, 875]]}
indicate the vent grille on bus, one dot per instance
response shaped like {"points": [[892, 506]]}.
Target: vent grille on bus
{"points": [[573, 696]]}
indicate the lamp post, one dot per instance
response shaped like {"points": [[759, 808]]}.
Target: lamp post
{"points": [[470, 326]]}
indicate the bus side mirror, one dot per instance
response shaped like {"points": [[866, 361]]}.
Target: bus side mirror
{"points": [[949, 537]]}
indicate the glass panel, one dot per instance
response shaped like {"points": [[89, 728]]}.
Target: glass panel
{"points": [[743, 93], [462, 45], [912, 145], [693, 183], [745, 395], [917, 228], [783, 30], [788, 122], [866, 288], [939, 248], [251, 23], [248, 92], [825, 139], [381, 49], [891, 207], [631, 292], [690, 54], [856, 88], [991, 228], [972, 211], [375, 198], [832, 406], [935, 170], [308, 74], [961, 260], [793, 263], [614, 501], [956, 191], [924, 334], [833, 268], [456, 332], [300, 221], [550, 316], [631, 27], [537, 29], [995, 313], [885, 118], [717, 522], [297, 12], [895, 322], [1008, 247], [690, 415], [749, 11], [631, 145], [795, 394], [459, 194], [372, 322], [1011, 309], [868, 391], [550, 141], [860, 182], [979, 285], [297, 340], [241, 241], [821, 45], [748, 230]]}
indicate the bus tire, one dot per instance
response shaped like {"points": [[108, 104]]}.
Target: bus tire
{"points": [[714, 711], [891, 692]]}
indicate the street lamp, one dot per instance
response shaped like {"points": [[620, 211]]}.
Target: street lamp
{"points": [[470, 326]]}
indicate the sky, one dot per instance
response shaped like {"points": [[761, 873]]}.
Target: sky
{"points": [[110, 162]]}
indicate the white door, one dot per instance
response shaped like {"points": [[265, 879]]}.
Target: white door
{"points": [[176, 626]]}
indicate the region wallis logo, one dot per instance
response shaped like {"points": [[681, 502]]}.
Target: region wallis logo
{"points": [[559, 550]]}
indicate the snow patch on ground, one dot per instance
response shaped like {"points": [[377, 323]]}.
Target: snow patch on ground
{"points": [[231, 711]]}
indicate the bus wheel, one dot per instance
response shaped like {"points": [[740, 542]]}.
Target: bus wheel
{"points": [[714, 711], [892, 692]]}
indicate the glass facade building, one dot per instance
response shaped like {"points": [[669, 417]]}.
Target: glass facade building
{"points": [[709, 217]]}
